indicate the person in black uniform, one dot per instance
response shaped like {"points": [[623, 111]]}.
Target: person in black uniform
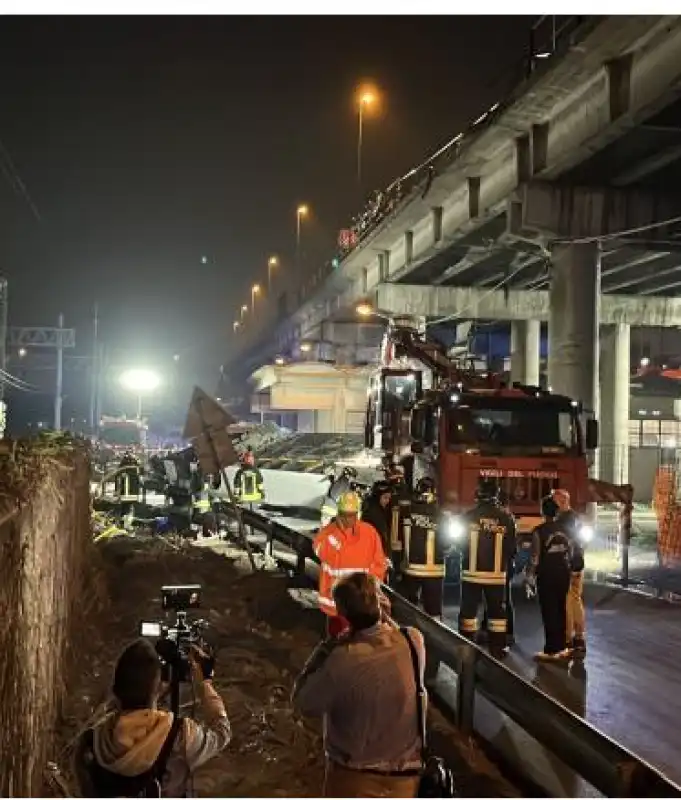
{"points": [[508, 597], [551, 569], [486, 552], [376, 511], [127, 481], [399, 511], [423, 566]]}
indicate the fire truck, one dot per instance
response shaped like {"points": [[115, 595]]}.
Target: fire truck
{"points": [[459, 425]]}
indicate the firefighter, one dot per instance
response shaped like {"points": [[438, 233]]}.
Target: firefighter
{"points": [[376, 511], [203, 508], [576, 617], [127, 480], [488, 548], [346, 545], [508, 596], [248, 481], [424, 552], [551, 568], [399, 511]]}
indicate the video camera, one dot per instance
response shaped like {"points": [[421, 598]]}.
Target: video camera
{"points": [[174, 641]]}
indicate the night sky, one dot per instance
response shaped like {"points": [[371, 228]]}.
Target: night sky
{"points": [[148, 143]]}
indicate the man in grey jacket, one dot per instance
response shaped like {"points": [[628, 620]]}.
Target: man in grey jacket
{"points": [[120, 756], [363, 685]]}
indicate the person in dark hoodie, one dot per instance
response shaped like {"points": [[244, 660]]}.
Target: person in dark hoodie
{"points": [[138, 750]]}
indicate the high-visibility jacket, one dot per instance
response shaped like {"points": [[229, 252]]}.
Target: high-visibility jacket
{"points": [[424, 545], [342, 551], [489, 545], [248, 485], [204, 500]]}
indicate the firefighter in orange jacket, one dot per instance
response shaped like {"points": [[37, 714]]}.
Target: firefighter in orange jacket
{"points": [[344, 546]]}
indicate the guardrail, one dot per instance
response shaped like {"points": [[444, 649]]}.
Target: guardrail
{"points": [[599, 760]]}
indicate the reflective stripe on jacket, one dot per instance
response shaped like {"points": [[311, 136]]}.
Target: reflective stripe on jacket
{"points": [[342, 551], [248, 485]]}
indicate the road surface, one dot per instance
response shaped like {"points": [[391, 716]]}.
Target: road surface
{"points": [[629, 685]]}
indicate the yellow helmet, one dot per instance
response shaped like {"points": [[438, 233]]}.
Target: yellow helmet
{"points": [[349, 503]]}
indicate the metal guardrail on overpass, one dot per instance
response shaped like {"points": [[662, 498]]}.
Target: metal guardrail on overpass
{"points": [[577, 105], [604, 764]]}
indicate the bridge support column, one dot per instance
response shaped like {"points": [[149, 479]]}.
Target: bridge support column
{"points": [[615, 391], [574, 312], [525, 343]]}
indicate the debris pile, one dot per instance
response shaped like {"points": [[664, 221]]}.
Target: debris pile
{"points": [[262, 636], [261, 436]]}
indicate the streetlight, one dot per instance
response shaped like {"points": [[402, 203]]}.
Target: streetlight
{"points": [[176, 357], [279, 361], [141, 382], [272, 263], [236, 325], [305, 347], [244, 310], [301, 213], [367, 98], [255, 291], [22, 352]]}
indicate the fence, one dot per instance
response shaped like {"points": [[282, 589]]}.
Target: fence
{"points": [[44, 536], [601, 762]]}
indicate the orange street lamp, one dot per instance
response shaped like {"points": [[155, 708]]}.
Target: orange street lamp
{"points": [[255, 291], [302, 213], [272, 263], [367, 98]]}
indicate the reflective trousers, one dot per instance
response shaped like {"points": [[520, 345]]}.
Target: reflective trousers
{"points": [[429, 591], [510, 611], [472, 594], [576, 618]]}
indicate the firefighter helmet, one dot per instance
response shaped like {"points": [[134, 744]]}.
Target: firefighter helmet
{"points": [[488, 490], [381, 487], [349, 503], [425, 485], [549, 507]]}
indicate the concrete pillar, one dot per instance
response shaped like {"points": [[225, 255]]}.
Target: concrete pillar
{"points": [[574, 312], [615, 393], [525, 354]]}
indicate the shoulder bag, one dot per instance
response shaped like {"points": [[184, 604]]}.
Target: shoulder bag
{"points": [[437, 780]]}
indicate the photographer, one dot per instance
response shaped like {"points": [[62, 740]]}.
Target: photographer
{"points": [[363, 685], [138, 750]]}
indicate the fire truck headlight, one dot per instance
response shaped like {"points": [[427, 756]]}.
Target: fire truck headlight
{"points": [[455, 528], [586, 533]]}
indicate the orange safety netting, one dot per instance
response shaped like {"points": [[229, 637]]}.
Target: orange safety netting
{"points": [[668, 513]]}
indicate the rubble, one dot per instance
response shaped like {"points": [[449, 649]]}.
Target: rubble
{"points": [[259, 437], [262, 636]]}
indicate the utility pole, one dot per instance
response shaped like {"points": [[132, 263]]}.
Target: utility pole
{"points": [[100, 383], [94, 373], [58, 396]]}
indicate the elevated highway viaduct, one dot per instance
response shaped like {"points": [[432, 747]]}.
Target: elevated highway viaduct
{"points": [[558, 205]]}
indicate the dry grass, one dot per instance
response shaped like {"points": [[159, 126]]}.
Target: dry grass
{"points": [[44, 538]]}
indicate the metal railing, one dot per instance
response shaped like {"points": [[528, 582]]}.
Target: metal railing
{"points": [[599, 760]]}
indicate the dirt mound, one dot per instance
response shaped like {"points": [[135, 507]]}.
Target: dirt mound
{"points": [[262, 636]]}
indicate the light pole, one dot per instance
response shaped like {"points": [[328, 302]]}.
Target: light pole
{"points": [[272, 263], [244, 311], [255, 291], [236, 325], [301, 213], [140, 382], [366, 98]]}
